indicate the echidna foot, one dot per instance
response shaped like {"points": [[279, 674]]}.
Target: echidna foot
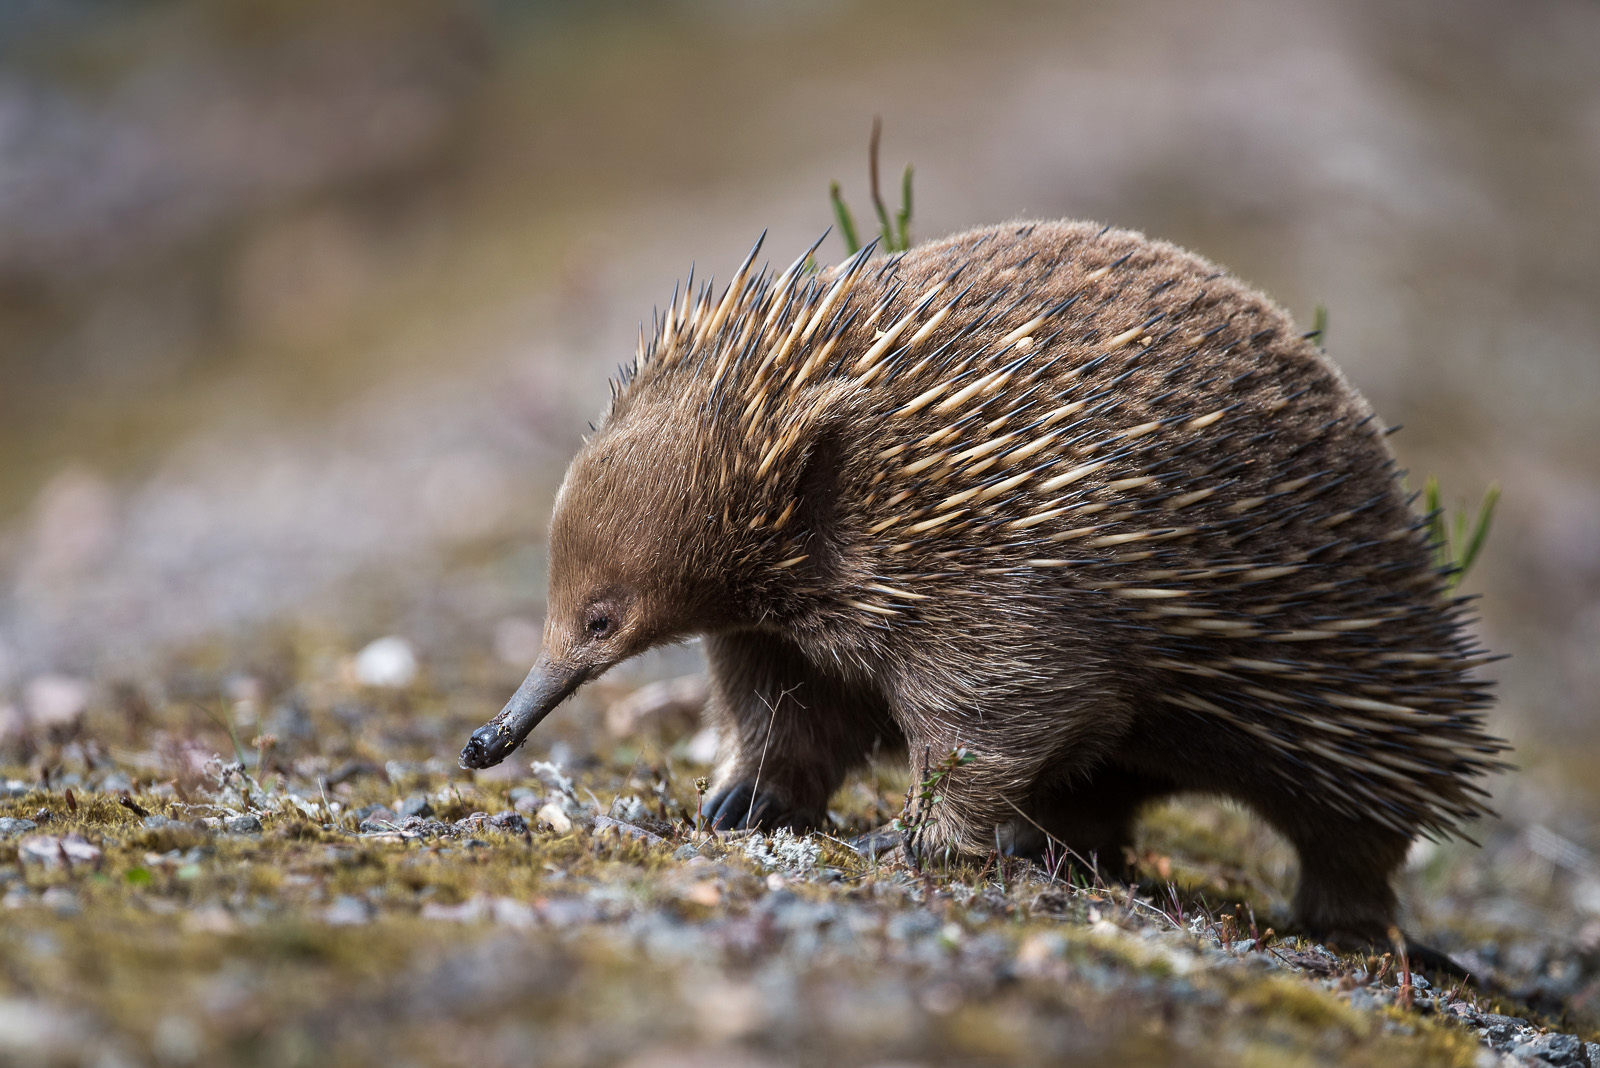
{"points": [[744, 806]]}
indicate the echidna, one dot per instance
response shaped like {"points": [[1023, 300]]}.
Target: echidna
{"points": [[1062, 496]]}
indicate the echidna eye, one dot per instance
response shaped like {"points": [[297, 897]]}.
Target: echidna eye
{"points": [[599, 626]]}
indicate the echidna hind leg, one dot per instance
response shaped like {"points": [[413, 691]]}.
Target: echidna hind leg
{"points": [[1345, 873], [789, 733], [1093, 817]]}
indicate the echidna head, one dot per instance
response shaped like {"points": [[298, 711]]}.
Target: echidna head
{"points": [[626, 575]]}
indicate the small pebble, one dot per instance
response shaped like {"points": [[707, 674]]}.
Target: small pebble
{"points": [[55, 700], [347, 911], [49, 851], [553, 816], [10, 826], [415, 805], [510, 822], [388, 662], [242, 825], [62, 900]]}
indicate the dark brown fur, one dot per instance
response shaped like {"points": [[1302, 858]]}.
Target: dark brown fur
{"points": [[1095, 643]]}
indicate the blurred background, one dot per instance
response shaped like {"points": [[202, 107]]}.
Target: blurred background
{"points": [[304, 306]]}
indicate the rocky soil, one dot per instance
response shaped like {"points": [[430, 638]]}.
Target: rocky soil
{"points": [[293, 871]]}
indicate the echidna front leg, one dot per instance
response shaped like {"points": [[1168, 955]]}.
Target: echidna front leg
{"points": [[972, 807], [789, 733]]}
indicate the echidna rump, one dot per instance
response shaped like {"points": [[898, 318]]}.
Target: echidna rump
{"points": [[1067, 498]]}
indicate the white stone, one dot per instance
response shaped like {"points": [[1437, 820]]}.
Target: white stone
{"points": [[33, 1030], [55, 700], [388, 662], [555, 817], [12, 723], [48, 851]]}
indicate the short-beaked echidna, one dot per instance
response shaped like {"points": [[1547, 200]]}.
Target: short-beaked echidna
{"points": [[1070, 499]]}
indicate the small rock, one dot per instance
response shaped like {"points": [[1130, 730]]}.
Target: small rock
{"points": [[10, 826], [470, 911], [62, 900], [15, 788], [568, 912], [1559, 1051], [388, 662], [210, 919], [1501, 1029], [428, 828], [176, 1040], [375, 818], [347, 911], [510, 822], [49, 851], [626, 830], [242, 825], [1362, 1000], [705, 892], [555, 817], [509, 912], [55, 701], [1039, 952], [290, 722], [33, 1032], [156, 823], [415, 805]]}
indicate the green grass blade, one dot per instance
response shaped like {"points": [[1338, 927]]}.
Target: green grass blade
{"points": [[884, 226], [903, 220], [1480, 529], [846, 221], [1438, 531]]}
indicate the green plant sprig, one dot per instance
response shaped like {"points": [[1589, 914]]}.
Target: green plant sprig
{"points": [[895, 233], [921, 798], [1457, 538]]}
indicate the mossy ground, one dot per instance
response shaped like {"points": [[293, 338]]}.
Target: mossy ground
{"points": [[144, 927]]}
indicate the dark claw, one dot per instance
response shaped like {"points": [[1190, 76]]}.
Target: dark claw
{"points": [[742, 807], [879, 842]]}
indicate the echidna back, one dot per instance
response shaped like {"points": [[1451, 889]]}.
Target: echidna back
{"points": [[1066, 426]]}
